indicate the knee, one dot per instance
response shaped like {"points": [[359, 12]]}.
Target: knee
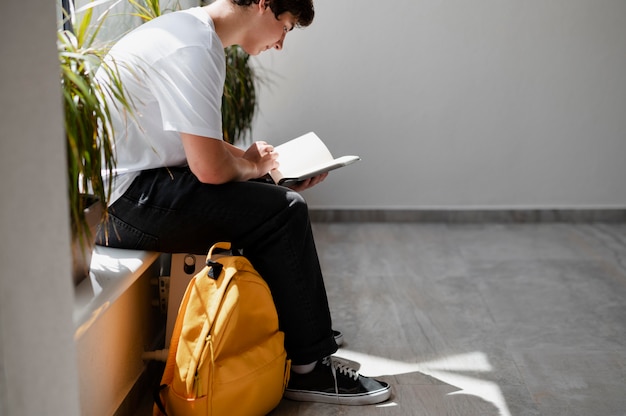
{"points": [[297, 204], [296, 200]]}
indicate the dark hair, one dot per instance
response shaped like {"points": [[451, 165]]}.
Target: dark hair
{"points": [[302, 10]]}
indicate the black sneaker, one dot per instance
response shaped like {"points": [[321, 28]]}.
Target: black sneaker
{"points": [[334, 382]]}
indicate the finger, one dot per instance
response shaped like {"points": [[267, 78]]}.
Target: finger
{"points": [[319, 178]]}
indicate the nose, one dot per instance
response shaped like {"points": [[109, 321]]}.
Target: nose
{"points": [[279, 44]]}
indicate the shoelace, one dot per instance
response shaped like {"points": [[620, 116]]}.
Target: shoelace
{"points": [[342, 368]]}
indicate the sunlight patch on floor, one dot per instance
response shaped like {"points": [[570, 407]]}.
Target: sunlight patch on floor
{"points": [[446, 369]]}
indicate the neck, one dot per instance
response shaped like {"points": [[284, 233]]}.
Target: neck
{"points": [[228, 19]]}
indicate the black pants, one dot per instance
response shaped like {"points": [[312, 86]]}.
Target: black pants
{"points": [[169, 210]]}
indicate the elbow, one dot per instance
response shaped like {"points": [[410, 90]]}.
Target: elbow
{"points": [[211, 176], [218, 170]]}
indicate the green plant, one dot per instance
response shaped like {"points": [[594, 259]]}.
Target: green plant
{"points": [[239, 102], [146, 9], [88, 130]]}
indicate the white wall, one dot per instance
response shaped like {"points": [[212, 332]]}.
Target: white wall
{"points": [[458, 104], [38, 373]]}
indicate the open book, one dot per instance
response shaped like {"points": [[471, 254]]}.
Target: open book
{"points": [[304, 157]]}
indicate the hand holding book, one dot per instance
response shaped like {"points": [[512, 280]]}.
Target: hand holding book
{"points": [[305, 157]]}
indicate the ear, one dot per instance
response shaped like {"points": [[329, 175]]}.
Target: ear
{"points": [[264, 5]]}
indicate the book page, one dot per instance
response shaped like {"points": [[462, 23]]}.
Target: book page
{"points": [[302, 153], [304, 157]]}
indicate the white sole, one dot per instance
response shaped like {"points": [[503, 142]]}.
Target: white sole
{"points": [[362, 399]]}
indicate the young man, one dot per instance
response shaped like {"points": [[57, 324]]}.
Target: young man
{"points": [[180, 188]]}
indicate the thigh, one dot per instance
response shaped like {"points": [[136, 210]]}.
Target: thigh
{"points": [[169, 210]]}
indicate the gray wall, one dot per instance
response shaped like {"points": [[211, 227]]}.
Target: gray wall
{"points": [[458, 104]]}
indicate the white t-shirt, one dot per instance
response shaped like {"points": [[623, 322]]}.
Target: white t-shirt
{"points": [[173, 69]]}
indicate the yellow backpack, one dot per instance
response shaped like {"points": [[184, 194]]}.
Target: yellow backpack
{"points": [[227, 356]]}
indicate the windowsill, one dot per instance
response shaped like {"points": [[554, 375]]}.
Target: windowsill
{"points": [[113, 271]]}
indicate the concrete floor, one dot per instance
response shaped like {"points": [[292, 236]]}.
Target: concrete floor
{"points": [[487, 319], [481, 319]]}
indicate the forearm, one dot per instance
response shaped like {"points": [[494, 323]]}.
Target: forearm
{"points": [[215, 161], [238, 169], [234, 150], [227, 168]]}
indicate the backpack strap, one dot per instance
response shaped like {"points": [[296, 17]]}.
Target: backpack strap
{"points": [[212, 284], [170, 365], [168, 373], [217, 246], [159, 410]]}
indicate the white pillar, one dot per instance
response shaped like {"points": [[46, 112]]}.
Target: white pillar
{"points": [[38, 372]]}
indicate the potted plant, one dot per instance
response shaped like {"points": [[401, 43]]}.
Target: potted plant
{"points": [[88, 130], [90, 152]]}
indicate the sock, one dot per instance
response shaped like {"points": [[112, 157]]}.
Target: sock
{"points": [[304, 368]]}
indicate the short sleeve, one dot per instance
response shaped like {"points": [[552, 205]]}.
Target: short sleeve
{"points": [[188, 86]]}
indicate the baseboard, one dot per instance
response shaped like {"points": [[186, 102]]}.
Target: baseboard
{"points": [[471, 216]]}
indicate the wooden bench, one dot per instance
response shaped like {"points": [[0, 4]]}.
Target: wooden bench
{"points": [[115, 321]]}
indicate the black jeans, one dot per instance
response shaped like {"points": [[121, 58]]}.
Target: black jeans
{"points": [[169, 210]]}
